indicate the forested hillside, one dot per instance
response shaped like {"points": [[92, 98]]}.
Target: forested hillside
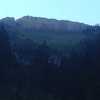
{"points": [[48, 59]]}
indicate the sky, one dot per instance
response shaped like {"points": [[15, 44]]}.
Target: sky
{"points": [[86, 11]]}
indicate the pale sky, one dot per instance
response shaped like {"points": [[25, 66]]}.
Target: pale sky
{"points": [[86, 11]]}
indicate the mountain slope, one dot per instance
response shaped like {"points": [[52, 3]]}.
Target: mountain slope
{"points": [[36, 28], [26, 32]]}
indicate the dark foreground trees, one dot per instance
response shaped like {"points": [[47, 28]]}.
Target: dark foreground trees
{"points": [[7, 65]]}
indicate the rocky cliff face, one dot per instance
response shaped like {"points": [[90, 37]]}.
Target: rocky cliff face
{"points": [[38, 23], [23, 31], [37, 28]]}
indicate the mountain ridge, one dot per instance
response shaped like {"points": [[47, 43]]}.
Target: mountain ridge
{"points": [[41, 23], [27, 31], [45, 18]]}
